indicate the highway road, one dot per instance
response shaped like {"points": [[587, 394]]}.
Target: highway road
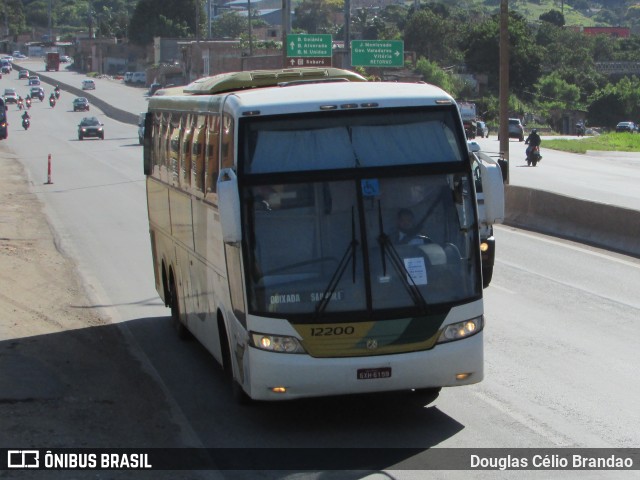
{"points": [[560, 344]]}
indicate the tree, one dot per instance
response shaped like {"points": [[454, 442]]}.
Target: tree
{"points": [[168, 18], [554, 92], [432, 36], [15, 16], [317, 16], [432, 73], [554, 17], [229, 25], [482, 54], [615, 102], [572, 55]]}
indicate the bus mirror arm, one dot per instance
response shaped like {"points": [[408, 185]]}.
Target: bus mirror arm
{"points": [[229, 206]]}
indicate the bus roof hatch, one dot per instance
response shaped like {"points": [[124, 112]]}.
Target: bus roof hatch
{"points": [[228, 82]]}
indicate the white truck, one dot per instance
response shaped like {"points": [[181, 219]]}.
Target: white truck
{"points": [[469, 118]]}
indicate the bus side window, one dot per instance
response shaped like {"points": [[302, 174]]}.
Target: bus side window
{"points": [[165, 147], [185, 152], [212, 150], [227, 142], [174, 150], [197, 156]]}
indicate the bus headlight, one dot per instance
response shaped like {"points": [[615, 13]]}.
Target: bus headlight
{"points": [[460, 330], [276, 343]]}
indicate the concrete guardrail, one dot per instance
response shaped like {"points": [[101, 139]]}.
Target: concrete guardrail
{"points": [[607, 226]]}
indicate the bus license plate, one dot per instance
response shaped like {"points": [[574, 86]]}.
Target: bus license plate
{"points": [[374, 373]]}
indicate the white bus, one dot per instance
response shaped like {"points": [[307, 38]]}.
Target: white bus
{"points": [[275, 201]]}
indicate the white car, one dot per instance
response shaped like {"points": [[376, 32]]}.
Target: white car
{"points": [[88, 85], [10, 96]]}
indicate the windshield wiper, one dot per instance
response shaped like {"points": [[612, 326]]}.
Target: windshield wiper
{"points": [[349, 256], [387, 248]]}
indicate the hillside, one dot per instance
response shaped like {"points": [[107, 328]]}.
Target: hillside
{"points": [[576, 12], [110, 17]]}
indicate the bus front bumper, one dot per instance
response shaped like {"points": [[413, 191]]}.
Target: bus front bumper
{"points": [[279, 376]]}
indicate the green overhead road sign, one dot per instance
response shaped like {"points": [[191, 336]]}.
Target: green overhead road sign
{"points": [[377, 53], [306, 45]]}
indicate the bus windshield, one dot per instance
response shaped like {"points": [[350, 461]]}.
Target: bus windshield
{"points": [[391, 243]]}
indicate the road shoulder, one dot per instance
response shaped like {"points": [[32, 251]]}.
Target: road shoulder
{"points": [[68, 376]]}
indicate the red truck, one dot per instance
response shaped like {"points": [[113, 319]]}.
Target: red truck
{"points": [[53, 61]]}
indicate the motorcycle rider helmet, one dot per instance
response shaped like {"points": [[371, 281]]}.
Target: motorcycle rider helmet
{"points": [[534, 130]]}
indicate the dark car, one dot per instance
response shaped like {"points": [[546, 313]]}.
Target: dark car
{"points": [[4, 126], [37, 92], [626, 127], [483, 130], [23, 74], [80, 104], [153, 88], [90, 127], [516, 130]]}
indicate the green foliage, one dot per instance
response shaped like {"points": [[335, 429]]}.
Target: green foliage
{"points": [[554, 92], [553, 17], [482, 55], [432, 36], [168, 18], [229, 25], [316, 16], [432, 73], [610, 142], [615, 103]]}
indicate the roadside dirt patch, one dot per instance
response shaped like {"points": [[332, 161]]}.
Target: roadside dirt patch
{"points": [[68, 378]]}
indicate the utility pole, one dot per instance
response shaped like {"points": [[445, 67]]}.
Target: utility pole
{"points": [[49, 23], [504, 89], [286, 28], [250, 31], [347, 32], [209, 20]]}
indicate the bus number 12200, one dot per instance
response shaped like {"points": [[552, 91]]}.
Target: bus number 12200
{"points": [[332, 331]]}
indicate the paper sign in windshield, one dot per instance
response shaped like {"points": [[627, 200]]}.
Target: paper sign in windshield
{"points": [[417, 270]]}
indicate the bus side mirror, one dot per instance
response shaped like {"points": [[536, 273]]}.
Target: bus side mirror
{"points": [[492, 189], [229, 206]]}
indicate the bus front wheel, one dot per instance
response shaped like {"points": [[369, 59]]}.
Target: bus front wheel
{"points": [[238, 394], [180, 327]]}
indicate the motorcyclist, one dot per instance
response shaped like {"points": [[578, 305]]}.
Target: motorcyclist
{"points": [[27, 101], [20, 103], [52, 99], [533, 140], [57, 91], [26, 116]]}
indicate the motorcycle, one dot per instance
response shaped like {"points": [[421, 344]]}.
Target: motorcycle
{"points": [[533, 155], [52, 101], [26, 123], [27, 103], [580, 130], [57, 93], [20, 105]]}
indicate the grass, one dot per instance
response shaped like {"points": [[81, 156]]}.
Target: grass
{"points": [[609, 142]]}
